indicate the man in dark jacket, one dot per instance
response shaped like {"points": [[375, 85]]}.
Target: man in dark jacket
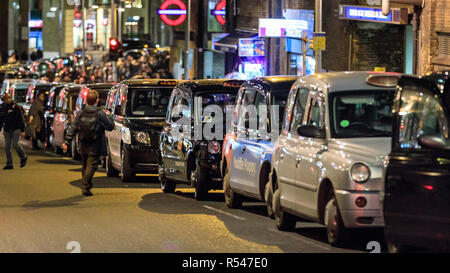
{"points": [[90, 147], [13, 123]]}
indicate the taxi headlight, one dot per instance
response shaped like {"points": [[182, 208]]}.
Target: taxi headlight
{"points": [[360, 173], [214, 147], [126, 135], [143, 137]]}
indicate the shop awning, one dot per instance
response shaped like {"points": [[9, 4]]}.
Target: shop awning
{"points": [[230, 42]]}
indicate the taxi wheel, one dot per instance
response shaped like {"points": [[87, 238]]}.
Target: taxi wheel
{"points": [[167, 186], [336, 232], [232, 200], [268, 197], [74, 149], [201, 186], [56, 149], [283, 220], [110, 171], [127, 173], [394, 248]]}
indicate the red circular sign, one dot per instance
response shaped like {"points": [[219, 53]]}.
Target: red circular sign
{"points": [[220, 6], [165, 17]]}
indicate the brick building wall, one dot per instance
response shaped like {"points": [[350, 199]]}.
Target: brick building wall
{"points": [[4, 31], [435, 17], [336, 55], [249, 12]]}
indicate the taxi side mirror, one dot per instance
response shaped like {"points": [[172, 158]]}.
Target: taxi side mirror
{"points": [[433, 142], [310, 131]]}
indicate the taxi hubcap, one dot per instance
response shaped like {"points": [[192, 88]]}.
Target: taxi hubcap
{"points": [[331, 217]]}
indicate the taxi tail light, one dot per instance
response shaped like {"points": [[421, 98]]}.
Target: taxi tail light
{"points": [[235, 84], [168, 83]]}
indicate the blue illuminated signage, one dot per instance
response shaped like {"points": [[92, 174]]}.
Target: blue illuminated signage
{"points": [[366, 14], [252, 48], [369, 14]]}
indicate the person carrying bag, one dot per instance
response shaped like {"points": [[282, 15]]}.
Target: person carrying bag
{"points": [[90, 125]]}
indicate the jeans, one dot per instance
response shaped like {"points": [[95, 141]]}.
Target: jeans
{"points": [[13, 138], [89, 166]]}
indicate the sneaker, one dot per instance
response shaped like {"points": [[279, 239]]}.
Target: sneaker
{"points": [[87, 193], [7, 167], [23, 162]]}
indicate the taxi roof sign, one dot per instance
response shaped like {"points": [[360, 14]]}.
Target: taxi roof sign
{"points": [[383, 80]]}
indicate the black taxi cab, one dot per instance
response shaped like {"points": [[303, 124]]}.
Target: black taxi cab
{"points": [[64, 114], [139, 109], [49, 115], [103, 90], [417, 171], [191, 141]]}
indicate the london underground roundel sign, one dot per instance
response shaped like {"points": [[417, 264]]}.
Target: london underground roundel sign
{"points": [[220, 12], [165, 12]]}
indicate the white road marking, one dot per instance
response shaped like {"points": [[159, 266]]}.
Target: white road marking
{"points": [[226, 213], [298, 237]]}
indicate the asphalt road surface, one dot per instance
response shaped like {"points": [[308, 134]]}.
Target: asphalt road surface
{"points": [[42, 210]]}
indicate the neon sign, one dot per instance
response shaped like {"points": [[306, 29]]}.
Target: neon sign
{"points": [[220, 12], [164, 12]]}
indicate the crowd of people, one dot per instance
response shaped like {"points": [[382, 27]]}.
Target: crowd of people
{"points": [[130, 66]]}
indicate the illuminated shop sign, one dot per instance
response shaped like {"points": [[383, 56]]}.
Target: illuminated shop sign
{"points": [[360, 13], [164, 12], [35, 23], [251, 47], [220, 12], [282, 28]]}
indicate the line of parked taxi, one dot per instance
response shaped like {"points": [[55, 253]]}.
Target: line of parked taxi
{"points": [[354, 150], [342, 137]]}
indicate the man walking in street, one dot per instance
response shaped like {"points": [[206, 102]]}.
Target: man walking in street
{"points": [[35, 120], [13, 123], [90, 125]]}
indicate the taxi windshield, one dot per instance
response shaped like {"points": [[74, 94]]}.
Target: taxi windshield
{"points": [[220, 99], [361, 114], [20, 93], [149, 102]]}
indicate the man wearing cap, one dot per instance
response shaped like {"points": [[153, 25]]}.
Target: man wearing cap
{"points": [[13, 123]]}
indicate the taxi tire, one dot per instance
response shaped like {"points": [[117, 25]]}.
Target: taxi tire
{"points": [[56, 149], [232, 199], [336, 231], [110, 170], [201, 186], [393, 247], [127, 174], [284, 221], [167, 186], [268, 197]]}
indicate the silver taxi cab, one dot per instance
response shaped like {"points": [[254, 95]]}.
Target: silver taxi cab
{"points": [[327, 162]]}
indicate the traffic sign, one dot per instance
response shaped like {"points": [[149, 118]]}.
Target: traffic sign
{"points": [[220, 12], [164, 12], [319, 41]]}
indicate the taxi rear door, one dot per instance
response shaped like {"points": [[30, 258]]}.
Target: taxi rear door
{"points": [[417, 189]]}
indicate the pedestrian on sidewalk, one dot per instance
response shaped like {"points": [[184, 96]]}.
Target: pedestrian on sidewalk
{"points": [[13, 123], [90, 125]]}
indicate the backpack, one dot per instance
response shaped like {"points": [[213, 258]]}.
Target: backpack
{"points": [[88, 126]]}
